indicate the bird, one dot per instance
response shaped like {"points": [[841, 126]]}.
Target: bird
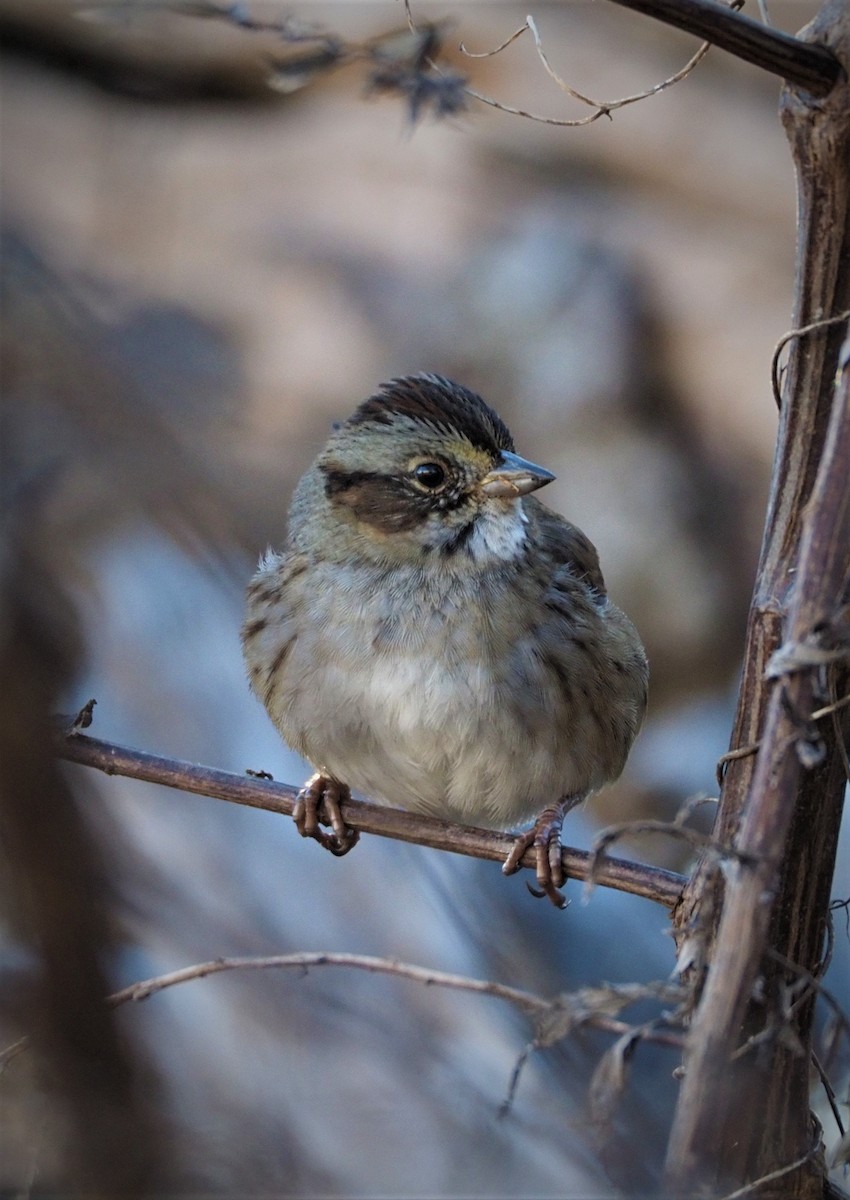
{"points": [[436, 638]]}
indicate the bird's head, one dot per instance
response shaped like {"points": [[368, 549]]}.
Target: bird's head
{"points": [[424, 467]]}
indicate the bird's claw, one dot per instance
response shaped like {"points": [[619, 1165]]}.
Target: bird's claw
{"points": [[545, 837], [318, 803]]}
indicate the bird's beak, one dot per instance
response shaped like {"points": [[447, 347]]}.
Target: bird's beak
{"points": [[514, 476]]}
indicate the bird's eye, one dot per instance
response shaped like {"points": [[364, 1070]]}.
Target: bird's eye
{"points": [[429, 475]]}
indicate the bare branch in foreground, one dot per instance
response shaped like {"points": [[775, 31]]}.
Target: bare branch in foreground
{"points": [[653, 883], [554, 1019], [526, 1001]]}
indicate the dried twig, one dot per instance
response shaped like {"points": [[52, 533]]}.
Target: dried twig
{"points": [[829, 1091], [554, 1019], [675, 829], [803, 331], [653, 883], [602, 108], [831, 709], [734, 756], [136, 992], [814, 984]]}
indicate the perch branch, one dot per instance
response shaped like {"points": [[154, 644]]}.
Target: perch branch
{"points": [[653, 883]]}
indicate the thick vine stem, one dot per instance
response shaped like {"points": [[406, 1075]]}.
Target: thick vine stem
{"points": [[806, 65], [782, 806]]}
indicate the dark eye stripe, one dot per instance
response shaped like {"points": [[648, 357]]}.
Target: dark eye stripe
{"points": [[337, 481], [389, 503], [386, 502]]}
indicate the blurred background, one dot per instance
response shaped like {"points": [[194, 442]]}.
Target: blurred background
{"points": [[202, 271]]}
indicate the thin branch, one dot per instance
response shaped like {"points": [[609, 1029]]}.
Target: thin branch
{"points": [[836, 724], [464, 49], [694, 837], [830, 709], [754, 747], [554, 1019], [657, 1031], [804, 64], [829, 1091], [512, 110], [608, 106], [136, 992], [602, 108], [813, 984], [653, 883], [565, 1012]]}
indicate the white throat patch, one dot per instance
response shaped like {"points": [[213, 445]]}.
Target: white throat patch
{"points": [[499, 533]]}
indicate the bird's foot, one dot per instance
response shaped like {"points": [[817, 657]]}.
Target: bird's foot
{"points": [[545, 837], [318, 804]]}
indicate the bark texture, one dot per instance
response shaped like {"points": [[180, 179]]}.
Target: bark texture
{"points": [[781, 805]]}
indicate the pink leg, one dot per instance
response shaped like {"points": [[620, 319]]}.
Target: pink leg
{"points": [[545, 837], [318, 804]]}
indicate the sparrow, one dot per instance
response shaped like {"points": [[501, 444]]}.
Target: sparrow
{"points": [[435, 637]]}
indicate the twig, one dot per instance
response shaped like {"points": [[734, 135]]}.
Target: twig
{"points": [[513, 1083], [602, 108], [813, 983], [733, 756], [830, 1093], [555, 1019], [653, 883], [775, 375], [145, 988], [827, 710], [674, 829], [608, 106], [513, 111], [833, 708], [562, 1019]]}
